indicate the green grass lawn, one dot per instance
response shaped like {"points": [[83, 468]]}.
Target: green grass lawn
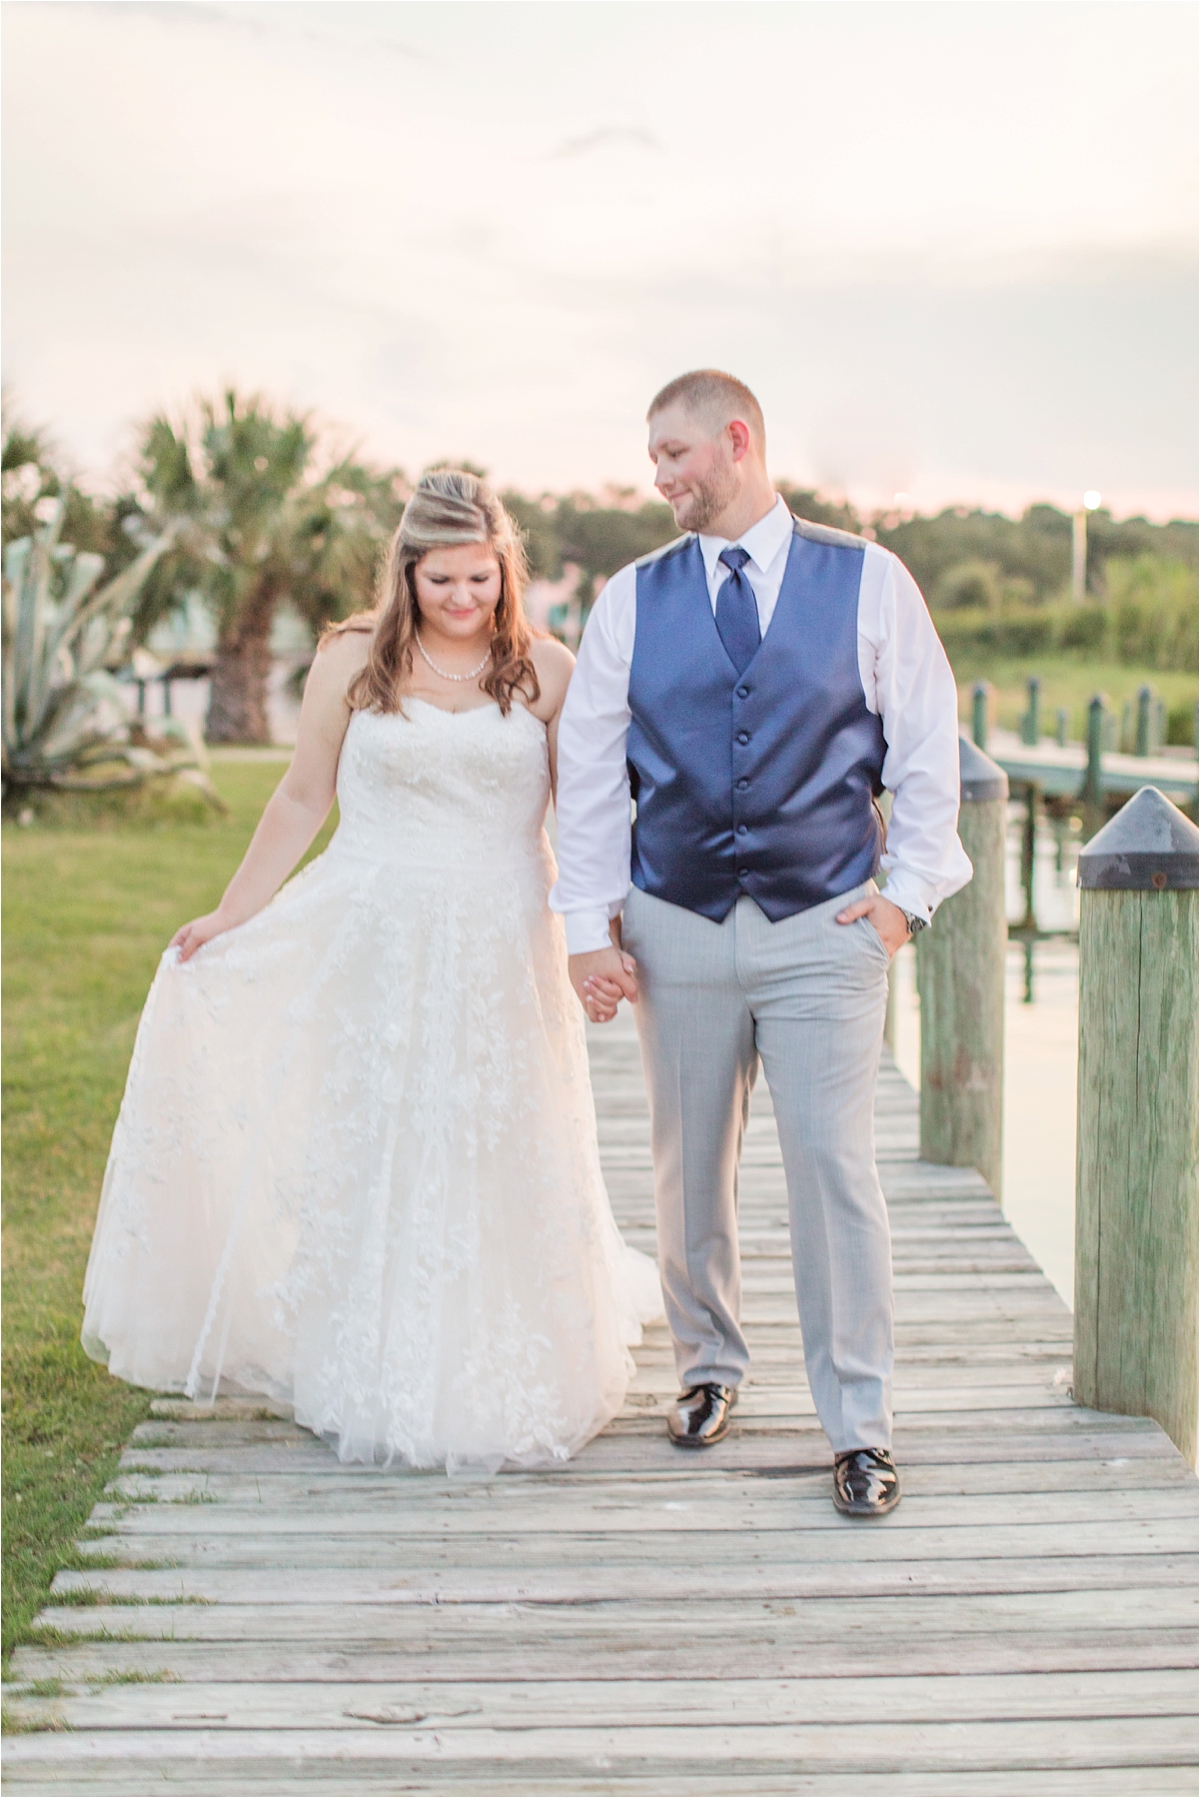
{"points": [[87, 913], [1066, 681]]}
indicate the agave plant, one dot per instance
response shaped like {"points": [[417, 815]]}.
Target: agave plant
{"points": [[65, 725]]}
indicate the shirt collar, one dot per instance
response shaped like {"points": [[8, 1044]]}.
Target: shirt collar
{"points": [[762, 542]]}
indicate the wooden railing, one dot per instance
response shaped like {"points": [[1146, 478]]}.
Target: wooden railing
{"points": [[1097, 770]]}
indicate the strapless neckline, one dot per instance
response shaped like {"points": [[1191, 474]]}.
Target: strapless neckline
{"points": [[465, 711]]}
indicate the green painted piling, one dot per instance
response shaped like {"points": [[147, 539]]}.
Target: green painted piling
{"points": [[1029, 854], [960, 979], [1092, 792], [1136, 1170], [1031, 723], [1143, 742], [980, 697]]}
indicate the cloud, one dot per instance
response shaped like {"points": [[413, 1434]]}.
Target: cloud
{"points": [[603, 137], [327, 29]]}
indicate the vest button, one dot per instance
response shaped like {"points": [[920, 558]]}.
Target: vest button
{"points": [[743, 829], [742, 784], [743, 692], [743, 873], [743, 736]]}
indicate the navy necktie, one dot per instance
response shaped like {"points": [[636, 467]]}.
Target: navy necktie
{"points": [[737, 609]]}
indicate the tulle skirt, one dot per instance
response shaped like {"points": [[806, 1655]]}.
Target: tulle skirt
{"points": [[356, 1170]]}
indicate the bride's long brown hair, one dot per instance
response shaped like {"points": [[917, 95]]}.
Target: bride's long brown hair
{"points": [[447, 507]]}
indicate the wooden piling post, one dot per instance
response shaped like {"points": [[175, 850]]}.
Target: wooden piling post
{"points": [[960, 978], [1143, 742], [1029, 855], [1136, 1168], [1092, 793], [979, 713], [1031, 723]]}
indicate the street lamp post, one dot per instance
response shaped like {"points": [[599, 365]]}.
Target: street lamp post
{"points": [[1079, 545]]}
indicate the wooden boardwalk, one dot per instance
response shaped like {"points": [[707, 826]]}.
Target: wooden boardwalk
{"points": [[267, 1621]]}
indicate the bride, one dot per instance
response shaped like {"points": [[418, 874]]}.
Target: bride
{"points": [[355, 1168]]}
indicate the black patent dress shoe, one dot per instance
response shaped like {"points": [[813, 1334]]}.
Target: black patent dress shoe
{"points": [[865, 1482], [700, 1415]]}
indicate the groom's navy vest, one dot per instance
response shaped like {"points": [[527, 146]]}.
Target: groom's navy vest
{"points": [[762, 783]]}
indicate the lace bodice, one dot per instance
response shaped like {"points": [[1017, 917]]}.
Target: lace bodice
{"points": [[444, 789]]}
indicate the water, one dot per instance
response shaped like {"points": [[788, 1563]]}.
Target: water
{"points": [[1040, 1051]]}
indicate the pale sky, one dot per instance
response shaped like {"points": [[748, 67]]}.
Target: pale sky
{"points": [[950, 243]]}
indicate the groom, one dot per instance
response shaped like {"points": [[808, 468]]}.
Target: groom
{"points": [[753, 687]]}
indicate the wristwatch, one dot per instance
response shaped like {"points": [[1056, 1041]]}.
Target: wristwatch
{"points": [[915, 923]]}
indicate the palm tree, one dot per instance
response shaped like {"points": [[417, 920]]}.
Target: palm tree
{"points": [[270, 517]]}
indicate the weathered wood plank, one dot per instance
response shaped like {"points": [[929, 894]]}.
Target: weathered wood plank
{"points": [[918, 1747], [372, 1512], [627, 1623], [633, 1653], [307, 1773], [549, 1583], [501, 1704], [810, 1537], [238, 1779], [1094, 1481], [950, 1442]]}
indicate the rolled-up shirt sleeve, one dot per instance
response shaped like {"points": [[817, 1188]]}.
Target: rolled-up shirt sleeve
{"points": [[909, 684], [592, 804]]}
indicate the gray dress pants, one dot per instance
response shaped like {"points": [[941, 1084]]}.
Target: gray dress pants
{"points": [[807, 996]]}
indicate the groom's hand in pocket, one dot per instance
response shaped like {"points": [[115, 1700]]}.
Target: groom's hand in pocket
{"points": [[601, 980], [887, 919]]}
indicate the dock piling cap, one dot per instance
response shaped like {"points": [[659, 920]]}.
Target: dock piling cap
{"points": [[979, 776], [1150, 846]]}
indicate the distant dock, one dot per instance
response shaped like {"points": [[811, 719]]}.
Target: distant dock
{"points": [[1058, 769]]}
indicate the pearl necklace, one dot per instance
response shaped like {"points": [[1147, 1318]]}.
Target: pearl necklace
{"points": [[474, 674]]}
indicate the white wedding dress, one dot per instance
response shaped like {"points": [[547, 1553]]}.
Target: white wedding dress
{"points": [[355, 1168]]}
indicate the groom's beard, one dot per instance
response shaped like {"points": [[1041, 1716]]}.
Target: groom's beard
{"points": [[696, 510]]}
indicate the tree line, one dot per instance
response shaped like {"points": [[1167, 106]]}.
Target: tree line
{"points": [[269, 508]]}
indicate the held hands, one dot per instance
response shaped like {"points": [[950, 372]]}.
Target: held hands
{"points": [[603, 978], [606, 976], [887, 919]]}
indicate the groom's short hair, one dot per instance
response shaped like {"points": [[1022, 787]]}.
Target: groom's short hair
{"points": [[715, 397]]}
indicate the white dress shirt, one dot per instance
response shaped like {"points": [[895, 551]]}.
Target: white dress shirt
{"points": [[906, 681]]}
